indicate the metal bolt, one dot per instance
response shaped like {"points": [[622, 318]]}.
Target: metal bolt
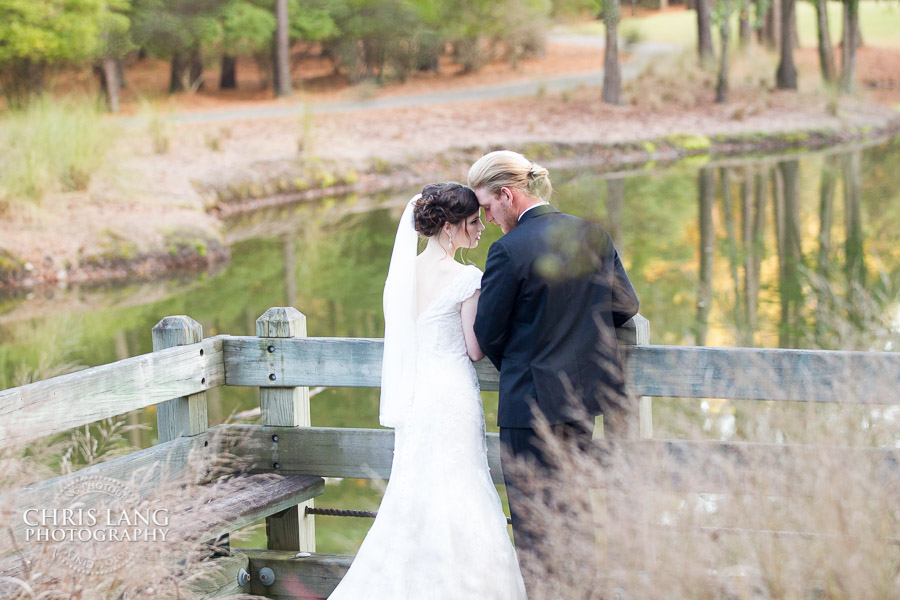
{"points": [[266, 576], [276, 465], [243, 578], [275, 438], [271, 349], [271, 376]]}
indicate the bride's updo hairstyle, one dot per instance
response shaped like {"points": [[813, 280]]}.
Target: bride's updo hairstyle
{"points": [[505, 168], [441, 203]]}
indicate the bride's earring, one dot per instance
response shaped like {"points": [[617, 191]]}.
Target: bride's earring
{"points": [[450, 243]]}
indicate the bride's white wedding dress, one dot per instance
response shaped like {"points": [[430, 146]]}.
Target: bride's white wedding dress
{"points": [[440, 532]]}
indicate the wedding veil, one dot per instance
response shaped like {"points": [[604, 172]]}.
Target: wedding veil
{"points": [[398, 366]]}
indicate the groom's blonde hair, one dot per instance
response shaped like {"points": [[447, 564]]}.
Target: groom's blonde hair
{"points": [[505, 168]]}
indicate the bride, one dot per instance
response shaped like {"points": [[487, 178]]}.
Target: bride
{"points": [[440, 532]]}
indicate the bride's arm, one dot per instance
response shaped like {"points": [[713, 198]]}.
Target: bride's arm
{"points": [[467, 312]]}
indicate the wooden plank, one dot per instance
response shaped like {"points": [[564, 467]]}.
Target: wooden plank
{"points": [[314, 576], [333, 451], [764, 374], [218, 578], [322, 451], [332, 362], [673, 465], [60, 403], [186, 415], [240, 500], [674, 371]]}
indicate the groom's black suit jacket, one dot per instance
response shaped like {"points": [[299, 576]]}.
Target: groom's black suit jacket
{"points": [[552, 294]]}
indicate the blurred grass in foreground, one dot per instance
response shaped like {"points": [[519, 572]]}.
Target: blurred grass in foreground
{"points": [[53, 145]]}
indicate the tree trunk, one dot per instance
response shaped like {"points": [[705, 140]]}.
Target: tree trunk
{"points": [[722, 83], [826, 55], [744, 27], [795, 35], [848, 46], [704, 32], [612, 77], [176, 74], [773, 24], [109, 83], [859, 38], [663, 4], [762, 32], [282, 50], [120, 73], [707, 184], [853, 246], [728, 212], [786, 77], [228, 77], [196, 72], [754, 242], [823, 257], [787, 220]]}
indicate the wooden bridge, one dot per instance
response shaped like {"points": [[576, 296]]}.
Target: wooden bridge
{"points": [[283, 362]]}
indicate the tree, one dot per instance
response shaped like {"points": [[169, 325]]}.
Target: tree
{"points": [[35, 36], [704, 32], [826, 56], [247, 30], [722, 16], [178, 30], [612, 76], [115, 44], [849, 45], [282, 50], [786, 76]]}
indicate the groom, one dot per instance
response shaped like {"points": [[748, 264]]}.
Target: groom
{"points": [[553, 292]]}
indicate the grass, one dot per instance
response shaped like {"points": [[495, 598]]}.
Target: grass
{"points": [[816, 519], [879, 22], [50, 146]]}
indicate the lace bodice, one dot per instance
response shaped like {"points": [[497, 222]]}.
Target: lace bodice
{"points": [[439, 327]]}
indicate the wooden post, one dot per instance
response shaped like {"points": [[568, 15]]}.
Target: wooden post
{"points": [[185, 416], [291, 529], [636, 332]]}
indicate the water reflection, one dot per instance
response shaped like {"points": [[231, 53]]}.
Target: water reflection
{"points": [[753, 253]]}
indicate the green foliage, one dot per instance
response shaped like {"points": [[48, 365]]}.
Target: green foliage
{"points": [[37, 35], [50, 146], [165, 27], [246, 28], [314, 20], [56, 30]]}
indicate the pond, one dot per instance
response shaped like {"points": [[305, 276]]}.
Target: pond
{"points": [[797, 251]]}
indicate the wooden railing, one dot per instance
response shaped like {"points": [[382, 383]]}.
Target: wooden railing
{"points": [[283, 362]]}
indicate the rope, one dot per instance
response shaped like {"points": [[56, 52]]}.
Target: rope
{"points": [[339, 512]]}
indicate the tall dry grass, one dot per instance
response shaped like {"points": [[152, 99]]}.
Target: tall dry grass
{"points": [[174, 568], [806, 510], [52, 145]]}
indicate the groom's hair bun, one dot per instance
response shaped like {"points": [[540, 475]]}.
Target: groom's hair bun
{"points": [[449, 202], [505, 168]]}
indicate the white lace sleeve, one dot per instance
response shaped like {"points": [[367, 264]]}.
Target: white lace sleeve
{"points": [[471, 281]]}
